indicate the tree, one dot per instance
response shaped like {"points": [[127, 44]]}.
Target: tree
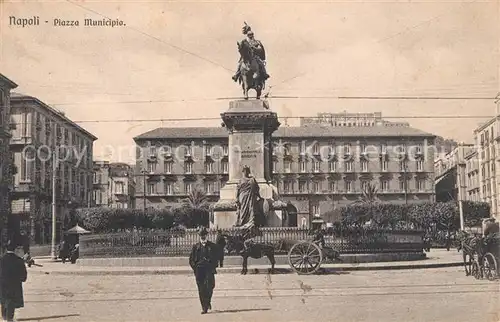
{"points": [[196, 208], [369, 195]]}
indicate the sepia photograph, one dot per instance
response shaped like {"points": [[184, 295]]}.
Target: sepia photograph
{"points": [[267, 160]]}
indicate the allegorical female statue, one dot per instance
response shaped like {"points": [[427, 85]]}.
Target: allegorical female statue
{"points": [[247, 196]]}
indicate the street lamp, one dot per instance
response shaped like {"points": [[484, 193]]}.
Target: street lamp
{"points": [[54, 206]]}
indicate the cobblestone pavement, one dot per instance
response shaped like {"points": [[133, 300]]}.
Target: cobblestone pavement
{"points": [[402, 295]]}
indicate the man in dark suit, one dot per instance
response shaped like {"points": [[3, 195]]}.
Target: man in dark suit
{"points": [[203, 261], [12, 275], [220, 241]]}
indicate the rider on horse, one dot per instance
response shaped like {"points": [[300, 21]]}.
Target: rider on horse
{"points": [[258, 52]]}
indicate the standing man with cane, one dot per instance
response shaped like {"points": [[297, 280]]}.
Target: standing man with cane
{"points": [[203, 260]]}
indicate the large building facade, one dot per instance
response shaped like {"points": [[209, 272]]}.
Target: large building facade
{"points": [[47, 145], [6, 164], [316, 168], [487, 139], [114, 185]]}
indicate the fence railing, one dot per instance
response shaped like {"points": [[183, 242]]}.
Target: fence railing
{"points": [[180, 243]]}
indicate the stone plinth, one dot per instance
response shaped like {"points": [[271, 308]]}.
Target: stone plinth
{"points": [[250, 124]]}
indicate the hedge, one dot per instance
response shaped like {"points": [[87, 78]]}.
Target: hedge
{"points": [[441, 215]]}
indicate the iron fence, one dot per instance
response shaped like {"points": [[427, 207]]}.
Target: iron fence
{"points": [[180, 243]]}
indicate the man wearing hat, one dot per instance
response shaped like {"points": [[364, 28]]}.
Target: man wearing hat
{"points": [[12, 275], [203, 260]]}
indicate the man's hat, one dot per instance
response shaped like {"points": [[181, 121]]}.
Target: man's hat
{"points": [[202, 231]]}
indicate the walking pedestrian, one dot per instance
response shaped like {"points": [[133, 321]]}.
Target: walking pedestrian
{"points": [[220, 241], [203, 260], [12, 275]]}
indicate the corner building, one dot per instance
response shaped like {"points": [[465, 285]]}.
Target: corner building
{"points": [[316, 167], [37, 132]]}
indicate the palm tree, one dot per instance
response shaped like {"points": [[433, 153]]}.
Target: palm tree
{"points": [[197, 207], [369, 195]]}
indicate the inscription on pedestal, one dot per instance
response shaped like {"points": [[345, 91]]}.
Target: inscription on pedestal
{"points": [[248, 154]]}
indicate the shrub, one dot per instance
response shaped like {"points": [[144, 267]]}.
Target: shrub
{"points": [[438, 215]]}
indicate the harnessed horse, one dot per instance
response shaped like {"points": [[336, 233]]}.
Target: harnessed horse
{"points": [[236, 243]]}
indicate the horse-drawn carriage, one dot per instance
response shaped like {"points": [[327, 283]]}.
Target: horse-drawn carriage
{"points": [[304, 257], [483, 255]]}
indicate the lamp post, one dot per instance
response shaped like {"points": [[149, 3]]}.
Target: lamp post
{"points": [[54, 207], [144, 172]]}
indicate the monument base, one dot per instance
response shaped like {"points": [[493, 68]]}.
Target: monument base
{"points": [[225, 209]]}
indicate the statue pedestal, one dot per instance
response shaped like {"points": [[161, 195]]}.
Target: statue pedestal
{"points": [[250, 124]]}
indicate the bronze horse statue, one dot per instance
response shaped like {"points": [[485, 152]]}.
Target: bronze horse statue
{"points": [[251, 76], [236, 243]]}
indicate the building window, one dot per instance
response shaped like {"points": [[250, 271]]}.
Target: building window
{"points": [[225, 150], [302, 166], [332, 166], [364, 166], [287, 149], [364, 185], [302, 147], [332, 186], [188, 167], [26, 164], [188, 150], [209, 187], [347, 149], [348, 186], [209, 167], [286, 186], [287, 166], [316, 148], [188, 187], [420, 183], [168, 167], [384, 165], [419, 148], [420, 165], [316, 186], [151, 167], [275, 166], [315, 210], [383, 148], [316, 166], [362, 148], [384, 185], [169, 188], [119, 188], [348, 166], [151, 188], [302, 186], [208, 149], [403, 184], [402, 166], [225, 167]]}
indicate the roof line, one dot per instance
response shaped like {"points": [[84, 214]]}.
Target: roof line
{"points": [[11, 83], [23, 97]]}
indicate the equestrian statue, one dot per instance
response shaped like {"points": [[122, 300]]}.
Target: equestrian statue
{"points": [[251, 72]]}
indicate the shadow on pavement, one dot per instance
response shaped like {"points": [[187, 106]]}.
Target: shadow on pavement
{"points": [[241, 310], [39, 318]]}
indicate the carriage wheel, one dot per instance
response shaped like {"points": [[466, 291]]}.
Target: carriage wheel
{"points": [[490, 266], [305, 258], [476, 270]]}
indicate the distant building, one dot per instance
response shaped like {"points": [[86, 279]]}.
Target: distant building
{"points": [[40, 133], [472, 171], [349, 120], [487, 138], [114, 185], [452, 174], [316, 168], [6, 165]]}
